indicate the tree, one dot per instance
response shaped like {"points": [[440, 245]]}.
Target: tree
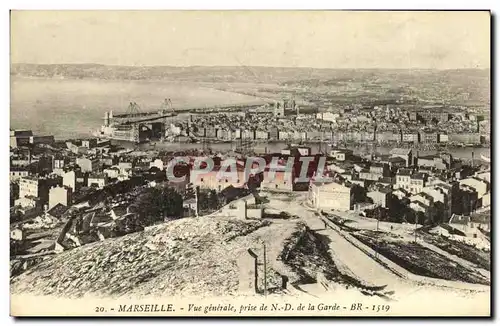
{"points": [[208, 200], [378, 213], [16, 247], [172, 203], [149, 206], [154, 170], [213, 200], [419, 218], [254, 181], [399, 211], [96, 196], [439, 213], [160, 176], [358, 194], [154, 204], [155, 174]]}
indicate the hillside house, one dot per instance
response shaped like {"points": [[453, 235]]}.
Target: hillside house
{"points": [[330, 196]]}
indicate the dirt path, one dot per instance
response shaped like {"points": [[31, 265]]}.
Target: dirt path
{"points": [[359, 264], [350, 260], [353, 262]]}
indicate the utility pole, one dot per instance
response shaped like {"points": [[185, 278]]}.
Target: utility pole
{"points": [[416, 220], [265, 271], [196, 190]]}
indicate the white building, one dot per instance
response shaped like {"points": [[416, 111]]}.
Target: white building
{"points": [[327, 116], [481, 186], [32, 187], [441, 193], [26, 202], [112, 172], [125, 165], [484, 175], [88, 164], [443, 138], [216, 179], [158, 163], [58, 163], [341, 154], [17, 234], [69, 180], [330, 196], [97, 180], [60, 195], [28, 186], [277, 178], [409, 181], [17, 173], [124, 175]]}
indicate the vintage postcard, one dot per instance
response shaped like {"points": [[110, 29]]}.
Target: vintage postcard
{"points": [[250, 163]]}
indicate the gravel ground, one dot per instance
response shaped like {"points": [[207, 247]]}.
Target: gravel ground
{"points": [[185, 257]]}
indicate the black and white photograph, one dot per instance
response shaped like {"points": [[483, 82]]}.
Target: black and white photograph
{"points": [[250, 163]]}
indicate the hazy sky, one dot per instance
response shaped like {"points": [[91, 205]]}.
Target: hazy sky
{"points": [[328, 39]]}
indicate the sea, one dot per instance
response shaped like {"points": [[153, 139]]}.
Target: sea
{"points": [[71, 108]]}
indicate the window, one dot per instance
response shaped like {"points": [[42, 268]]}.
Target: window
{"points": [[201, 179], [226, 180], [238, 181]]}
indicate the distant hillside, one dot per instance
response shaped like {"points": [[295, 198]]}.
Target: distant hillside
{"points": [[193, 73], [457, 87], [227, 74]]}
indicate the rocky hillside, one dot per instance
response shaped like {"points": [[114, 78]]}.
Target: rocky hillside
{"points": [[184, 257]]}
